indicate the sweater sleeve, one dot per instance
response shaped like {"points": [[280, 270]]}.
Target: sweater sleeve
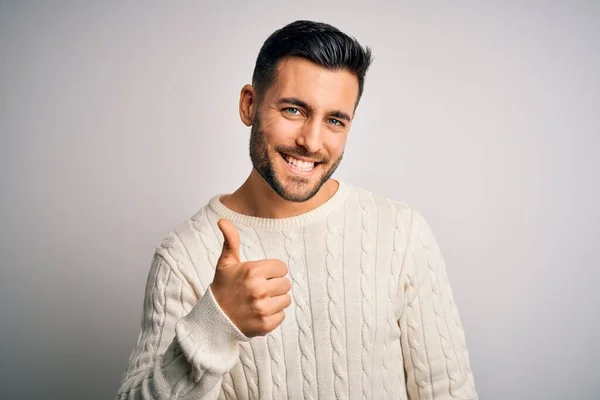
{"points": [[185, 344], [433, 343]]}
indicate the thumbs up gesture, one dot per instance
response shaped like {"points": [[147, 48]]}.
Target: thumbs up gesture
{"points": [[253, 294]]}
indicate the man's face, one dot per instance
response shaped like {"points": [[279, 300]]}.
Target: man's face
{"points": [[300, 127]]}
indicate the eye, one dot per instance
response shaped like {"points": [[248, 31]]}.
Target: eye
{"points": [[292, 110], [335, 122]]}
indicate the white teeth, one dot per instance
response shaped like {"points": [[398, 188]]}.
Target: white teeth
{"points": [[300, 165]]}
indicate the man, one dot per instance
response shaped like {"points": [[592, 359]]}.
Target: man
{"points": [[297, 285]]}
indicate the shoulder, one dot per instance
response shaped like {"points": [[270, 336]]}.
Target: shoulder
{"points": [[376, 203], [392, 213], [400, 217], [195, 236]]}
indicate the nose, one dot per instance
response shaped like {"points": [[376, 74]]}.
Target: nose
{"points": [[310, 136]]}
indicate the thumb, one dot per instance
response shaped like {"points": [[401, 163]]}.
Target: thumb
{"points": [[231, 243]]}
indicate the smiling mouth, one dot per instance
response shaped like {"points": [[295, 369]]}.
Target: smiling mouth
{"points": [[299, 165]]}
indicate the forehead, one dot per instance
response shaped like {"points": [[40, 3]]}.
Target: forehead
{"points": [[320, 87]]}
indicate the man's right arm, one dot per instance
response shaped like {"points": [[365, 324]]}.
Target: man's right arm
{"points": [[185, 344]]}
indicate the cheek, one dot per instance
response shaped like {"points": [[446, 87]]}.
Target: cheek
{"points": [[336, 144], [281, 131]]}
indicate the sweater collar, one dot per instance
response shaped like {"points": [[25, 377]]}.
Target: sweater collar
{"points": [[316, 214]]}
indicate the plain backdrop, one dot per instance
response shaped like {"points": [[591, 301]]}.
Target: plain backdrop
{"points": [[119, 120]]}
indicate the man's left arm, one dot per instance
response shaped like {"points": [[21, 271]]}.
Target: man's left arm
{"points": [[433, 342]]}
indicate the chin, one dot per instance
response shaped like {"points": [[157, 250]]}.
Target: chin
{"points": [[297, 189]]}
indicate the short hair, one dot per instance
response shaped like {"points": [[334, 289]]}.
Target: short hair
{"points": [[320, 43]]}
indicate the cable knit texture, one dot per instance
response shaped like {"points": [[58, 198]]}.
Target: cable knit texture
{"points": [[372, 313]]}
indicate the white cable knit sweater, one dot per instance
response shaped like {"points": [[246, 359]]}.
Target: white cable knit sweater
{"points": [[372, 314]]}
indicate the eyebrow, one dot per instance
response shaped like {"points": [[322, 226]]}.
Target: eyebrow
{"points": [[299, 103]]}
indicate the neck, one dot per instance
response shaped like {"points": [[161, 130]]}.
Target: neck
{"points": [[257, 199]]}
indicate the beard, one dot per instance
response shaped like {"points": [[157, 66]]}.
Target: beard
{"points": [[297, 189]]}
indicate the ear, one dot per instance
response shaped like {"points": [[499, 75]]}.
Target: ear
{"points": [[248, 104]]}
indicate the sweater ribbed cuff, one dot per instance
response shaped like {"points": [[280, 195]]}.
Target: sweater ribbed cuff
{"points": [[208, 338]]}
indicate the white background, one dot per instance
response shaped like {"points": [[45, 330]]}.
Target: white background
{"points": [[119, 121]]}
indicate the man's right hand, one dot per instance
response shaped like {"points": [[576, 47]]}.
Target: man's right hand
{"points": [[253, 294]]}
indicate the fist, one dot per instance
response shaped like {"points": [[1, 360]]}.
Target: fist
{"points": [[252, 294]]}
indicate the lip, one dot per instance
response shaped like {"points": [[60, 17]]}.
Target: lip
{"points": [[297, 172], [300, 158]]}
